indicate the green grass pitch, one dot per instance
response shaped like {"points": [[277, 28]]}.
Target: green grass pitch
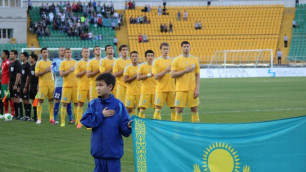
{"points": [[25, 146]]}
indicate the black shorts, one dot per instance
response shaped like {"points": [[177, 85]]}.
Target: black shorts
{"points": [[33, 91], [22, 95], [13, 93]]}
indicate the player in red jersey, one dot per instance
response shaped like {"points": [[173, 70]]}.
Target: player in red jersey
{"points": [[5, 80]]}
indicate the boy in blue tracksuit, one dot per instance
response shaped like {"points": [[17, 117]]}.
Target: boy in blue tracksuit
{"points": [[109, 120]]}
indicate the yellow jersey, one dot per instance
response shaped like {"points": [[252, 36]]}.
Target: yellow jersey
{"points": [[119, 65], [47, 79], [166, 83], [69, 80], [186, 82], [134, 86], [83, 83], [93, 65], [106, 64], [148, 85]]}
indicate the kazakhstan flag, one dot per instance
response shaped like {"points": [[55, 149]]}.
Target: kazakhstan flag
{"points": [[272, 146]]}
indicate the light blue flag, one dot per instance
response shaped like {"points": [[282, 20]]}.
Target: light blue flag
{"points": [[272, 146]]}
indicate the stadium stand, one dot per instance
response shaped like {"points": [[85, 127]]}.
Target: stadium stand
{"points": [[10, 47], [59, 39], [298, 45], [223, 28]]}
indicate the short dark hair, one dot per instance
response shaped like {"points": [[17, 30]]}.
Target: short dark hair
{"points": [[6, 52], [45, 48], [15, 52], [67, 49], [185, 42], [107, 47], [149, 51], [34, 56], [25, 54], [133, 52], [96, 46], [163, 44], [108, 78], [122, 46]]}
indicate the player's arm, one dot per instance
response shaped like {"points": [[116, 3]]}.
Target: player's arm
{"points": [[90, 73], [27, 81], [125, 126], [79, 73], [176, 74], [163, 73], [65, 73], [196, 91], [116, 71], [140, 75], [128, 79], [37, 74], [92, 118]]}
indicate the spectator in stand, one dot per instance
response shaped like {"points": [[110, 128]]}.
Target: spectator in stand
{"points": [[94, 4], [285, 41], [100, 22], [161, 27], [86, 36], [141, 19], [185, 15], [170, 27], [196, 25], [131, 20], [113, 25], [164, 12], [164, 3], [100, 37], [178, 15], [90, 35], [130, 5], [139, 38], [145, 9], [134, 5], [145, 19], [144, 37], [149, 8], [115, 41], [29, 5], [159, 11], [208, 2], [200, 25], [165, 28], [119, 23], [47, 32], [279, 56], [51, 17], [126, 6], [293, 23]]}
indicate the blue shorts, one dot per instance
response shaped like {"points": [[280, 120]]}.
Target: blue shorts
{"points": [[58, 93], [107, 165]]}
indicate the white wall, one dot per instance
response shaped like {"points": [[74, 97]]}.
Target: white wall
{"points": [[252, 72], [14, 18]]}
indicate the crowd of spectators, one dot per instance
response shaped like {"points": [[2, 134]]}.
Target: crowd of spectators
{"points": [[140, 20], [75, 18]]}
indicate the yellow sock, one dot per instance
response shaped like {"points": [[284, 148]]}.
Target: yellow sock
{"points": [[39, 110], [75, 111], [79, 114], [51, 106], [63, 114], [141, 113], [178, 117], [173, 114], [195, 117], [157, 114]]}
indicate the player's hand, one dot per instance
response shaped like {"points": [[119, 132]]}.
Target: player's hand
{"points": [[18, 90], [189, 69], [48, 69], [15, 87], [107, 113], [71, 69], [196, 93], [24, 90], [129, 124], [168, 69]]}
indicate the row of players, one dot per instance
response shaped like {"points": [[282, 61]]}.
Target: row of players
{"points": [[175, 81]]}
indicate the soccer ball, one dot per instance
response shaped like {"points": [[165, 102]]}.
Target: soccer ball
{"points": [[8, 117]]}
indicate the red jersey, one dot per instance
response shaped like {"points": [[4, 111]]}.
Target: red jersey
{"points": [[5, 71]]}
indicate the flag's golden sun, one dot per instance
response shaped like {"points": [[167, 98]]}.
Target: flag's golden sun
{"points": [[220, 157]]}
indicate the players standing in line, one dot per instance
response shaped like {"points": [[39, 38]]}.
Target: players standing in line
{"points": [[83, 84], [133, 85], [14, 81], [186, 70], [46, 84], [118, 70], [56, 62], [33, 84], [107, 63], [5, 81], [148, 86], [165, 85], [24, 84], [93, 71], [70, 84]]}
